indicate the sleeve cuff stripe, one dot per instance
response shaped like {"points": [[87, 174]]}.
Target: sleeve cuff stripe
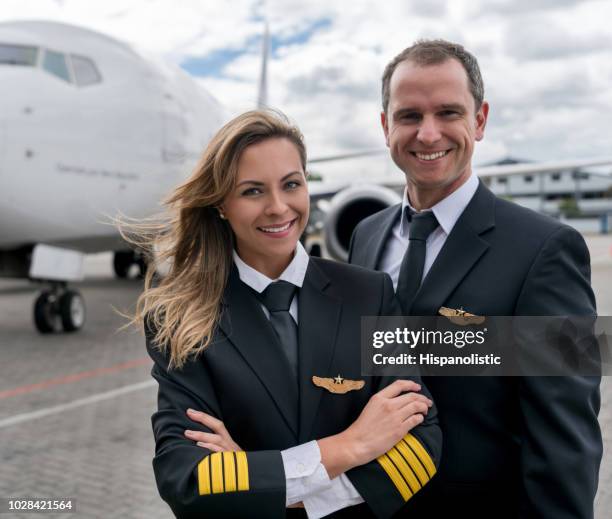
{"points": [[421, 453], [204, 476], [395, 477], [223, 472], [413, 460], [216, 471], [243, 470], [405, 470], [229, 470]]}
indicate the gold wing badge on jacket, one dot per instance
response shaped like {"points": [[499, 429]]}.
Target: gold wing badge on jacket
{"points": [[338, 385], [460, 316]]}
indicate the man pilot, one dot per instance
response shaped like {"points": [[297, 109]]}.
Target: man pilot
{"points": [[513, 446]]}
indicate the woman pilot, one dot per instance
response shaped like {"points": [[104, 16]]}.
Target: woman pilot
{"points": [[261, 407]]}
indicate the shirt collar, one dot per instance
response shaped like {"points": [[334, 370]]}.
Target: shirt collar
{"points": [[449, 209], [294, 273]]}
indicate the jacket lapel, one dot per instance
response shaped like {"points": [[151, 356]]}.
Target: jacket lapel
{"points": [[376, 243], [462, 249], [319, 315], [247, 328]]}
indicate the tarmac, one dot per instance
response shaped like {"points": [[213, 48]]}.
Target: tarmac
{"points": [[75, 408]]}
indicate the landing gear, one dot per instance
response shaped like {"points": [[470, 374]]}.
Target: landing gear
{"points": [[46, 317], [72, 310], [59, 308], [129, 264]]}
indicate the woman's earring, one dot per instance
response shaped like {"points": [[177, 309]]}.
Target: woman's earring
{"points": [[222, 216]]}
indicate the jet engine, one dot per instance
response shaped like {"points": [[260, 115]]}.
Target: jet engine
{"points": [[347, 208]]}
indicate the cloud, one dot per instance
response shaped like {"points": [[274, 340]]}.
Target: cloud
{"points": [[432, 8], [511, 7], [541, 38], [547, 64]]}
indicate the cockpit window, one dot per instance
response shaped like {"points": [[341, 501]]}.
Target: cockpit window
{"points": [[55, 63], [18, 55], [85, 71]]}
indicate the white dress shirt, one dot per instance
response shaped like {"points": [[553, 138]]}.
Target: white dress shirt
{"points": [[447, 211], [306, 477]]}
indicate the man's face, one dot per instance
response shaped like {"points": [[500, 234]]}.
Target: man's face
{"points": [[431, 125]]}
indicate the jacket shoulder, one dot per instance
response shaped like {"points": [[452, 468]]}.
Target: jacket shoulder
{"points": [[374, 220], [526, 221]]}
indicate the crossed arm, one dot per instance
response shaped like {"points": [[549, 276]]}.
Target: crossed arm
{"points": [[385, 420], [377, 452]]}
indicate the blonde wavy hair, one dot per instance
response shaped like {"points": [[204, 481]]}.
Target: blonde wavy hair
{"points": [[194, 244]]}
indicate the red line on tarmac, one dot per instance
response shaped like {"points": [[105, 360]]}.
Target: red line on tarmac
{"points": [[74, 378]]}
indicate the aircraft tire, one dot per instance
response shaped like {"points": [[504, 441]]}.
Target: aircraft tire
{"points": [[122, 261], [46, 318], [72, 310]]}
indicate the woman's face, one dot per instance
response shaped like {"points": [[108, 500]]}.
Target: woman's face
{"points": [[269, 206]]}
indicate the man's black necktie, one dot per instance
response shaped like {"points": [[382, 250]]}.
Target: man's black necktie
{"points": [[411, 270], [277, 299]]}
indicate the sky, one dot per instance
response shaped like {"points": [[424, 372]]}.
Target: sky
{"points": [[546, 64]]}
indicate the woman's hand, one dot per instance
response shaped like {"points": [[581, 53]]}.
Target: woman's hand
{"points": [[217, 440], [387, 418], [384, 421]]}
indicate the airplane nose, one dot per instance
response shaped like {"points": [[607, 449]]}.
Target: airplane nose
{"points": [[15, 140], [2, 139]]}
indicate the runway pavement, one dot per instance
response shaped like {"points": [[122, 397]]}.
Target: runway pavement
{"points": [[75, 409]]}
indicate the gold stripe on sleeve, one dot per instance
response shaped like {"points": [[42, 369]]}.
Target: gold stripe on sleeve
{"points": [[395, 476], [216, 470], [243, 470], [204, 476], [421, 453], [413, 461], [229, 469], [405, 469]]}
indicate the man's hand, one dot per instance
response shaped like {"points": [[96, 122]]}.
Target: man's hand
{"points": [[218, 440]]}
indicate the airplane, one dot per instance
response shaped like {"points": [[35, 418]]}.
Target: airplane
{"points": [[88, 127], [91, 127]]}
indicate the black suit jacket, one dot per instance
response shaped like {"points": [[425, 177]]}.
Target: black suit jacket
{"points": [[244, 379], [513, 447]]}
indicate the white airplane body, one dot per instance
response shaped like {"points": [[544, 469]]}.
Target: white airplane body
{"points": [[71, 154], [90, 128]]}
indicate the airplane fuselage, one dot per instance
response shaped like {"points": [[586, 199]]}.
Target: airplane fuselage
{"points": [[73, 155]]}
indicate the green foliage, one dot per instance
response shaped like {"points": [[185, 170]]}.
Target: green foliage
{"points": [[569, 208]]}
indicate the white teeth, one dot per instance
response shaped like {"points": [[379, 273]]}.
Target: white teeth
{"points": [[431, 156], [276, 229]]}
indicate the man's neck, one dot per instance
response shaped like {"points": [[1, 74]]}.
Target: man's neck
{"points": [[421, 199]]}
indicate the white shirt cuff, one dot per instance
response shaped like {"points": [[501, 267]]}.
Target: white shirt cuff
{"points": [[304, 472], [307, 481], [340, 495]]}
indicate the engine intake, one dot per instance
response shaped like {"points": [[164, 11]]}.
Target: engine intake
{"points": [[347, 208]]}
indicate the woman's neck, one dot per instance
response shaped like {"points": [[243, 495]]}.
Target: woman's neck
{"points": [[271, 267]]}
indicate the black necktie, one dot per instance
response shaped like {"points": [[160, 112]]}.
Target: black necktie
{"points": [[277, 299], [411, 270]]}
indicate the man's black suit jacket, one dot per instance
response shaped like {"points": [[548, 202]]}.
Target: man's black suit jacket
{"points": [[244, 379], [513, 447]]}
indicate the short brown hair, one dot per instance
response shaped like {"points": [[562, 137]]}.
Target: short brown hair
{"points": [[434, 52]]}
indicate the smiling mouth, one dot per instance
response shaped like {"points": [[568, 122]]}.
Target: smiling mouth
{"points": [[275, 229], [430, 156]]}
